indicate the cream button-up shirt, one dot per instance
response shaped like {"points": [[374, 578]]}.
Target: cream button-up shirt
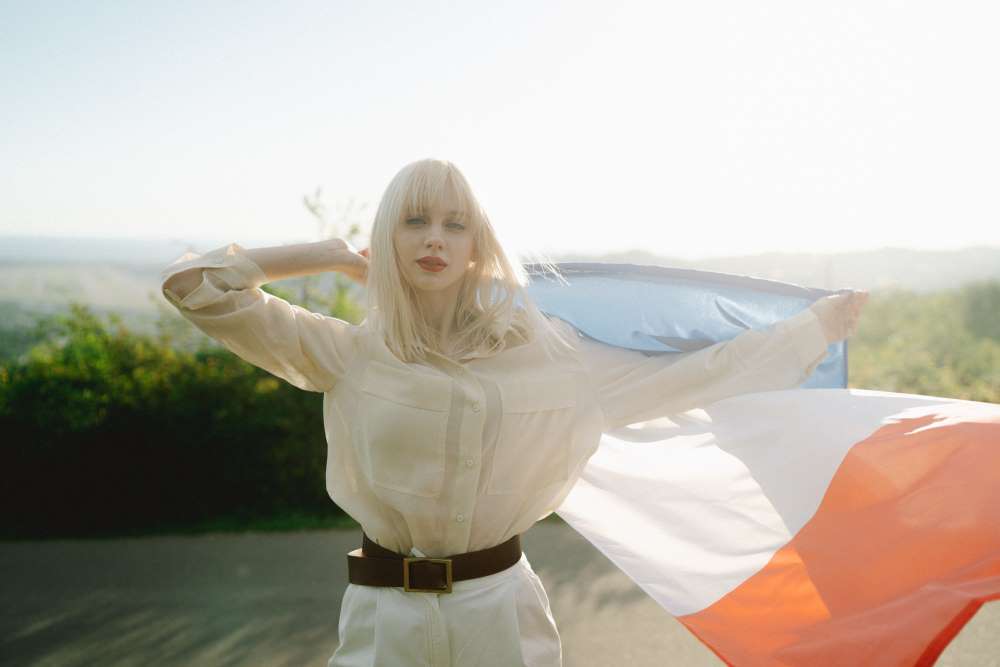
{"points": [[452, 457]]}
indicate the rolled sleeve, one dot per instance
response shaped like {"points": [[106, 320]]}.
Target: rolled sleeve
{"points": [[309, 350], [230, 268], [632, 386]]}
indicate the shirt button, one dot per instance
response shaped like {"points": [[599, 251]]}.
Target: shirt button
{"points": [[475, 406], [460, 518], [469, 463]]}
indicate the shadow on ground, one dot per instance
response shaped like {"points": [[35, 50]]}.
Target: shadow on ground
{"points": [[274, 599]]}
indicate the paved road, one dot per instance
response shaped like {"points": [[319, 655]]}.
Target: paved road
{"points": [[273, 599]]}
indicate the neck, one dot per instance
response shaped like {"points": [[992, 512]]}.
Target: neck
{"points": [[438, 309]]}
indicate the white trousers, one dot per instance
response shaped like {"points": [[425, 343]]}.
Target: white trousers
{"points": [[500, 620]]}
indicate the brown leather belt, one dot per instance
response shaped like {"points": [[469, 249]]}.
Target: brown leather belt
{"points": [[374, 565]]}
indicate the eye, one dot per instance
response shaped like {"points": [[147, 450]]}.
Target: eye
{"points": [[417, 220], [457, 225]]}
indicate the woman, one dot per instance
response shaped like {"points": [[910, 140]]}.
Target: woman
{"points": [[457, 415]]}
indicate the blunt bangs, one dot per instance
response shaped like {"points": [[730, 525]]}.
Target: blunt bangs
{"points": [[424, 187]]}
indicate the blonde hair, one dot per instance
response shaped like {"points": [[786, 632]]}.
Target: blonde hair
{"points": [[486, 310]]}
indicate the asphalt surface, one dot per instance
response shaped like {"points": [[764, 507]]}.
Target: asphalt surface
{"points": [[274, 598]]}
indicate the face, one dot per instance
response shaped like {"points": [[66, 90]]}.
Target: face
{"points": [[439, 232]]}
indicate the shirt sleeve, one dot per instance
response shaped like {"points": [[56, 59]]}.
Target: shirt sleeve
{"points": [[309, 350], [632, 386]]}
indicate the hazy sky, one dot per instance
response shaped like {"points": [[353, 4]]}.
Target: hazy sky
{"points": [[686, 129]]}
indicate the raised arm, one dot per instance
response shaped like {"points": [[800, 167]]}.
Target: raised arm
{"points": [[632, 386], [280, 262], [219, 292]]}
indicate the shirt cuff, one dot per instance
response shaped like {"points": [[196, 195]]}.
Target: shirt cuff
{"points": [[227, 268], [808, 337]]}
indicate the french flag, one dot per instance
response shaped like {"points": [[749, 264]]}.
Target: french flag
{"points": [[818, 525]]}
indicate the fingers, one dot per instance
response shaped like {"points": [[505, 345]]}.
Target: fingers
{"points": [[363, 278], [841, 312], [857, 301]]}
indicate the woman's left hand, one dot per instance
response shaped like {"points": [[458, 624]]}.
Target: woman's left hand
{"points": [[839, 313]]}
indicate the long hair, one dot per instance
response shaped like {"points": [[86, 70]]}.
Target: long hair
{"points": [[487, 312]]}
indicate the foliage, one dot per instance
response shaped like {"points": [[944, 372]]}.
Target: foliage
{"points": [[18, 331], [981, 309], [110, 430], [946, 343]]}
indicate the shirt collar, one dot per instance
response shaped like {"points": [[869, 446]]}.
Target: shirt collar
{"points": [[513, 337]]}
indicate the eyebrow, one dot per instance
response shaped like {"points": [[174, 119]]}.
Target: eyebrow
{"points": [[423, 212], [451, 213]]}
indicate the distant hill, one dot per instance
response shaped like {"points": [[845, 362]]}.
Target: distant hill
{"points": [[39, 275], [916, 270]]}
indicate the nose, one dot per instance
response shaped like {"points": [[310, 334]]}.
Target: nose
{"points": [[433, 239]]}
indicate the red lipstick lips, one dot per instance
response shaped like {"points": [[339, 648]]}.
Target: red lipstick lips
{"points": [[431, 263]]}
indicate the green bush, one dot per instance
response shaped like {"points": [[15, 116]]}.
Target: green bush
{"points": [[945, 343], [108, 430]]}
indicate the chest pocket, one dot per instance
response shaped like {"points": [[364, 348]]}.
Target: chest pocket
{"points": [[400, 429], [536, 432]]}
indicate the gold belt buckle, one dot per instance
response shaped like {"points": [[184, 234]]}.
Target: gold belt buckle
{"points": [[447, 573]]}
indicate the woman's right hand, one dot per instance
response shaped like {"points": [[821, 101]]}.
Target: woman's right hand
{"points": [[351, 262]]}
